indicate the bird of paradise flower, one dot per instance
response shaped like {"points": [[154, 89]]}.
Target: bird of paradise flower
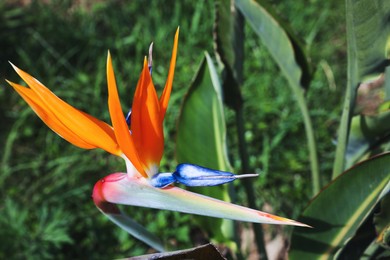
{"points": [[139, 140]]}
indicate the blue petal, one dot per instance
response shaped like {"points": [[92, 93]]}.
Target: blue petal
{"points": [[194, 175], [161, 180]]}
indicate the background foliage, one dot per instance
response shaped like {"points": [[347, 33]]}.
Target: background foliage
{"points": [[46, 183]]}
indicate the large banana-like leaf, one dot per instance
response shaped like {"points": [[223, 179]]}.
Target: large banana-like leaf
{"points": [[202, 132], [367, 36], [339, 209], [368, 237], [279, 40], [291, 60], [201, 135]]}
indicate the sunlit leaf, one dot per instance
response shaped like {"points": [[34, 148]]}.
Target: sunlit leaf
{"points": [[357, 244], [292, 61], [201, 133], [363, 242], [339, 209], [279, 40]]}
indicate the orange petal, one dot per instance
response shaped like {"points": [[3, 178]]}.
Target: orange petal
{"points": [[89, 129], [39, 107], [121, 129], [146, 124], [164, 99]]}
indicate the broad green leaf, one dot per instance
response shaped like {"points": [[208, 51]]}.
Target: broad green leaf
{"points": [[362, 243], [279, 40], [229, 45], [201, 135], [339, 209], [291, 60], [201, 130], [367, 37], [355, 247]]}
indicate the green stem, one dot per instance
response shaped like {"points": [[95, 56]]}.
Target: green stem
{"points": [[342, 141], [247, 182], [315, 172], [339, 161]]}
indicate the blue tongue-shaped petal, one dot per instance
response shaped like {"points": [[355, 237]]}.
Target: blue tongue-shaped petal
{"points": [[193, 175]]}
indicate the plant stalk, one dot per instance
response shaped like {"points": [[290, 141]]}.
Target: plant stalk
{"points": [[352, 82], [311, 142]]}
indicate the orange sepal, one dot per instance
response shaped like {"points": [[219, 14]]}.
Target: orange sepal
{"points": [[164, 99], [39, 107], [121, 129], [146, 124], [87, 128]]}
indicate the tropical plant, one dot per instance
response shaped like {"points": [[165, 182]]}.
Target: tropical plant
{"points": [[350, 200], [235, 116], [349, 214]]}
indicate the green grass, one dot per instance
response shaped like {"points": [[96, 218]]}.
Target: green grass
{"points": [[46, 183]]}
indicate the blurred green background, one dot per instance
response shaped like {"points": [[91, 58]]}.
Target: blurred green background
{"points": [[46, 208]]}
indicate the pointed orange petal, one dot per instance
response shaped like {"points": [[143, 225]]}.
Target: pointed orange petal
{"points": [[39, 107], [121, 129], [164, 99], [146, 124], [89, 129]]}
